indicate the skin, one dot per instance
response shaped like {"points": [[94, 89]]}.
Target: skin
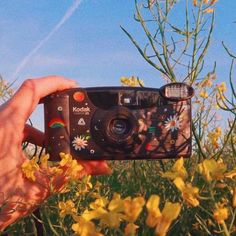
{"points": [[14, 187]]}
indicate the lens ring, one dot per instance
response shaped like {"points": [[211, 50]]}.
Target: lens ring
{"points": [[120, 127]]}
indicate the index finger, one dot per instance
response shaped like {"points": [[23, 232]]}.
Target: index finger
{"points": [[31, 91]]}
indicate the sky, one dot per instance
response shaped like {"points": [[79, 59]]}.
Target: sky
{"points": [[86, 43]]}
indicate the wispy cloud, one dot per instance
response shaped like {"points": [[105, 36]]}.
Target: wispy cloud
{"points": [[66, 16]]}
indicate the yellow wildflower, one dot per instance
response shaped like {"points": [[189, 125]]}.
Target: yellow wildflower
{"points": [[99, 202], [85, 228], [85, 185], [66, 159], [214, 137], [169, 213], [97, 185], [55, 170], [177, 170], [220, 214], [131, 81], [203, 94], [67, 208], [189, 193], [161, 220], [111, 219], [74, 169], [209, 10], [29, 167], [212, 170], [116, 204], [207, 82], [44, 161], [94, 214], [212, 2], [133, 208], [195, 3], [221, 87], [130, 229], [231, 174], [153, 210]]}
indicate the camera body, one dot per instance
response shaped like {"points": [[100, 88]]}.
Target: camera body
{"points": [[119, 123]]}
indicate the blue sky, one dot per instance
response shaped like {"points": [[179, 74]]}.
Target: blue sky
{"points": [[90, 47]]}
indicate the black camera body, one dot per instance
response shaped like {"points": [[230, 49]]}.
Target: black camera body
{"points": [[119, 123]]}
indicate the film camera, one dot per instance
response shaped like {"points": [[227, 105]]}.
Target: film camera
{"points": [[119, 123]]}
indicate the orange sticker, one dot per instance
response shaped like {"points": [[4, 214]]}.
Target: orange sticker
{"points": [[79, 96]]}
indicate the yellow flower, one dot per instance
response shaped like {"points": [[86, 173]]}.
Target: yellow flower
{"points": [[74, 169], [207, 82], [130, 229], [203, 94], [231, 174], [133, 208], [189, 193], [195, 3], [212, 170], [116, 204], [55, 170], [220, 214], [111, 219], [153, 210], [73, 166], [209, 10], [66, 159], [67, 208], [177, 170], [44, 161], [94, 214], [161, 220], [169, 213], [99, 202], [85, 228], [212, 2], [29, 167], [131, 81], [85, 185], [214, 137], [221, 87]]}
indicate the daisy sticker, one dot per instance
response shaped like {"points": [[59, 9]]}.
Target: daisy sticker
{"points": [[172, 123], [79, 142]]}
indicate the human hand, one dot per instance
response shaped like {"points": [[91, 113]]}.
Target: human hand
{"points": [[18, 195]]}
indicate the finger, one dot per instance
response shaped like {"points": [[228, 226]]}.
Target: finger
{"points": [[95, 167], [27, 97], [33, 136]]}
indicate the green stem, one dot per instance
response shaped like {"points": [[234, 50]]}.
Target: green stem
{"points": [[226, 231]]}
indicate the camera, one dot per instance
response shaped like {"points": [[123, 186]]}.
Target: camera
{"points": [[119, 123]]}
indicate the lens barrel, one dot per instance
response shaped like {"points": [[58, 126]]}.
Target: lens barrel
{"points": [[114, 129]]}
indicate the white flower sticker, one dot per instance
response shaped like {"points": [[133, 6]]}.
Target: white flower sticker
{"points": [[79, 142], [172, 123]]}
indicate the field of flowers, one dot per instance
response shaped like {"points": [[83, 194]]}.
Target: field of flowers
{"points": [[195, 196]]}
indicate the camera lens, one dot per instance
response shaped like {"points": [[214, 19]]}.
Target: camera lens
{"points": [[119, 127]]}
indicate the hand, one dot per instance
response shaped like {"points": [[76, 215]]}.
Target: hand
{"points": [[18, 195]]}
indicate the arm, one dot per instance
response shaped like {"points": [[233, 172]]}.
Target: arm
{"points": [[18, 195]]}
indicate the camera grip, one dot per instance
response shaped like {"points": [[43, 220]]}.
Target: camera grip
{"points": [[57, 125]]}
